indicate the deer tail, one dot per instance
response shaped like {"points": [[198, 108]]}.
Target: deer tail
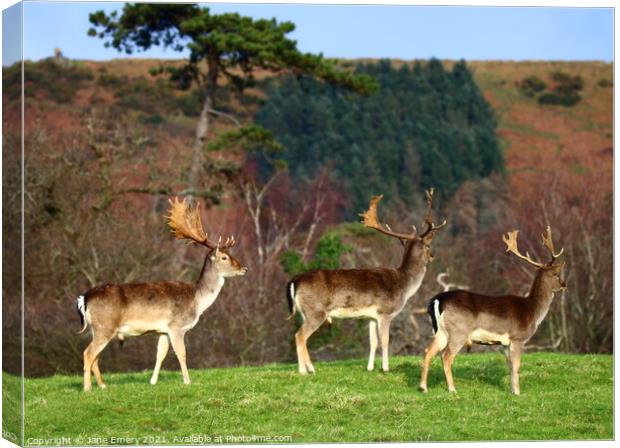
{"points": [[290, 296], [81, 310]]}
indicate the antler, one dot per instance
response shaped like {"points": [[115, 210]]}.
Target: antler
{"points": [[548, 243], [370, 220], [511, 241], [230, 242], [185, 224], [429, 215]]}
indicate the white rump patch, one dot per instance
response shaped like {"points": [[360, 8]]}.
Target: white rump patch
{"points": [[81, 305], [436, 310], [296, 306], [441, 336]]}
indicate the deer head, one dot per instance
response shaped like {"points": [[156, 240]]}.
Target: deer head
{"points": [[370, 219], [185, 224], [552, 269]]}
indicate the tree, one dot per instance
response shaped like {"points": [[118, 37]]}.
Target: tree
{"points": [[224, 47], [429, 127]]}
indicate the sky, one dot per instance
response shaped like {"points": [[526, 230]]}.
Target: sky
{"points": [[347, 31]]}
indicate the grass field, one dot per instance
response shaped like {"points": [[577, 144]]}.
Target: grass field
{"points": [[563, 397]]}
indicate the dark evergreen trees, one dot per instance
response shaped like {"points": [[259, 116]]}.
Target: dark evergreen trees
{"points": [[425, 127]]}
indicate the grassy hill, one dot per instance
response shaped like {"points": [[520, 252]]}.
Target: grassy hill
{"points": [[563, 397], [575, 143]]}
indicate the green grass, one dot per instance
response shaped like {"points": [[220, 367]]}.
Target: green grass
{"points": [[563, 397], [11, 408]]}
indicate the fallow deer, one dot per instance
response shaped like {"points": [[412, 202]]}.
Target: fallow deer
{"points": [[378, 294], [510, 321], [168, 308]]}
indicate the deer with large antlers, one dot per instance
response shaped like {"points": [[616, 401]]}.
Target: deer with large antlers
{"points": [[378, 294], [510, 321], [168, 308]]}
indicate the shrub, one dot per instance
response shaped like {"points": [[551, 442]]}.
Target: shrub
{"points": [[153, 119], [139, 94], [58, 82], [190, 104], [292, 263], [109, 80], [565, 92], [604, 82], [559, 99], [327, 255], [569, 82], [532, 85], [12, 81]]}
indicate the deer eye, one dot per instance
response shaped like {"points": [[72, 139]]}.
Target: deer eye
{"points": [[224, 258]]}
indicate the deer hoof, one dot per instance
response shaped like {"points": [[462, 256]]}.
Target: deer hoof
{"points": [[422, 388], [153, 381], [370, 368], [103, 386]]}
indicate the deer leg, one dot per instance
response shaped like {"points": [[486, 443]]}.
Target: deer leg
{"points": [[448, 357], [310, 325], [178, 345], [507, 355], [97, 373], [516, 349], [434, 348], [162, 350], [374, 341], [453, 347], [90, 355], [384, 331], [414, 321]]}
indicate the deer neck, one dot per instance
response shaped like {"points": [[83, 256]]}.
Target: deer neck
{"points": [[412, 271], [208, 286], [541, 294]]}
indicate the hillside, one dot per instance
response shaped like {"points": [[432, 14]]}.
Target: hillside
{"points": [[564, 397], [575, 142]]}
